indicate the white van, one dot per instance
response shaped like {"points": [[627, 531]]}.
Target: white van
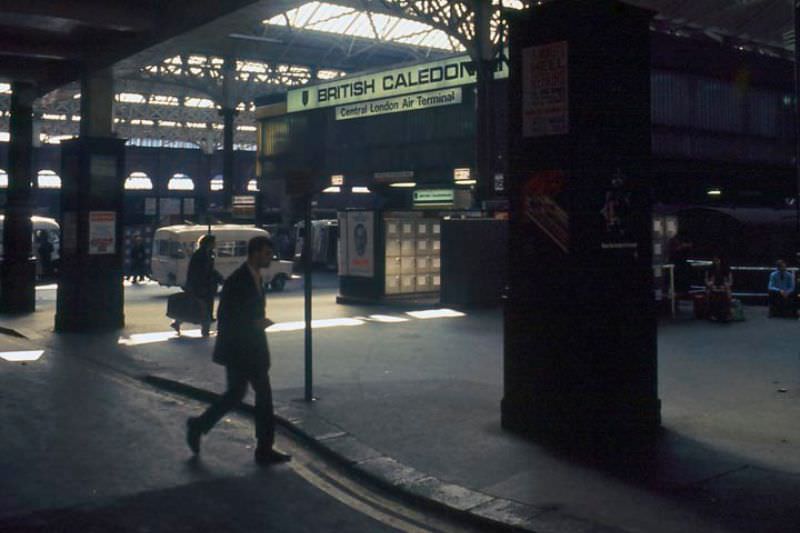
{"points": [[173, 247], [51, 229]]}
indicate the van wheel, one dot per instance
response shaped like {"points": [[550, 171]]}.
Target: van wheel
{"points": [[278, 283]]}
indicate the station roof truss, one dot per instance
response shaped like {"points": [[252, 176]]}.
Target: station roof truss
{"points": [[173, 89], [766, 23]]}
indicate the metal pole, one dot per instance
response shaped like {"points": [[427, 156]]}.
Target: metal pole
{"points": [[797, 115], [307, 281], [228, 112], [483, 55]]}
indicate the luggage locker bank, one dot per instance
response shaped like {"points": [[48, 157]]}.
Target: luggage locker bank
{"points": [[405, 139]]}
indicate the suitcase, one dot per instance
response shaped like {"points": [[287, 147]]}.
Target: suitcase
{"points": [[186, 308]]}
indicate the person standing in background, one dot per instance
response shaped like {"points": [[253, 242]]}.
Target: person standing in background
{"points": [[138, 260]]}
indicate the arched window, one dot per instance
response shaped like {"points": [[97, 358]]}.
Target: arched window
{"points": [[47, 179], [252, 186], [138, 181], [180, 182], [3, 179], [216, 183]]}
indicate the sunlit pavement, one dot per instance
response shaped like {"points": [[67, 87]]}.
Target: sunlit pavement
{"points": [[425, 389]]}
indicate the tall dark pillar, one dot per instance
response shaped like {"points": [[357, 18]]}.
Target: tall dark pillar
{"points": [[580, 325], [18, 272], [797, 112], [90, 291], [228, 115]]}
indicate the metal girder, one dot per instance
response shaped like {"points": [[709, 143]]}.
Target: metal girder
{"points": [[120, 16]]}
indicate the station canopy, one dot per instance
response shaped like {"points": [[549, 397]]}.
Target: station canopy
{"points": [[170, 57]]}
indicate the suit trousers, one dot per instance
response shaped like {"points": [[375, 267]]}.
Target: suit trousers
{"points": [[234, 394]]}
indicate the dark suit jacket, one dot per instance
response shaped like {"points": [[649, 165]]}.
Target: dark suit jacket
{"points": [[201, 278], [241, 344]]}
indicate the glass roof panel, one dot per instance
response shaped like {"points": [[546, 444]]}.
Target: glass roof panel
{"points": [[332, 18]]}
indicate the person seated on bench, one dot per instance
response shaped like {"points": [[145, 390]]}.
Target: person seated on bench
{"points": [[719, 282], [781, 292]]}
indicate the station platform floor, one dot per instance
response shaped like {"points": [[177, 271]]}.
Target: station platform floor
{"points": [[425, 389]]}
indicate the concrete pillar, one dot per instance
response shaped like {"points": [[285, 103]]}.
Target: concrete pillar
{"points": [[797, 112], [90, 291], [580, 323], [18, 272], [97, 104], [228, 115]]}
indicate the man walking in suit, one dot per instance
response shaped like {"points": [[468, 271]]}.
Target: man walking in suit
{"points": [[242, 349]]}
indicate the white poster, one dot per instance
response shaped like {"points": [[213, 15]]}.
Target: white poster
{"points": [[361, 244], [188, 206], [545, 90], [102, 232]]}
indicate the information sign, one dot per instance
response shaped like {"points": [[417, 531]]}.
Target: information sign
{"points": [[102, 232], [545, 88]]}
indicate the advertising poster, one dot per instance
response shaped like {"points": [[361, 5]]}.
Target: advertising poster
{"points": [[361, 244], [102, 232], [542, 209], [545, 90]]}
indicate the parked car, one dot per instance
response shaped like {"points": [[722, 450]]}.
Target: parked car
{"points": [[173, 247]]}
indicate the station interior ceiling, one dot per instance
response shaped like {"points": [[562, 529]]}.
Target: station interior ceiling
{"points": [[168, 58]]}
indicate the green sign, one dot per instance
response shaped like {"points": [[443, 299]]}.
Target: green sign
{"points": [[434, 198]]}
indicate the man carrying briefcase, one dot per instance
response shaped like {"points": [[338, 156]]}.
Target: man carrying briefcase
{"points": [[202, 280]]}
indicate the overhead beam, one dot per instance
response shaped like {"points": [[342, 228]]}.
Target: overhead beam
{"points": [[39, 46], [135, 15]]}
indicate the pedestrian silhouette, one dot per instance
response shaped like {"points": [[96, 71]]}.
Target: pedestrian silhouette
{"points": [[242, 349]]}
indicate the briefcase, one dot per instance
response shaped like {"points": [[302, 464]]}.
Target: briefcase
{"points": [[186, 308]]}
